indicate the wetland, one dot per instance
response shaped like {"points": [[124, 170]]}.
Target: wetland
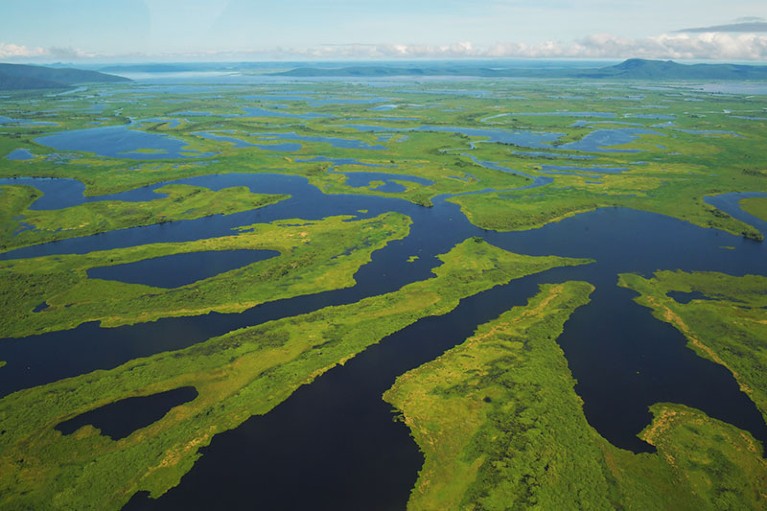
{"points": [[204, 310]]}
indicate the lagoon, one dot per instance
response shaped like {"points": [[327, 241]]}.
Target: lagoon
{"points": [[180, 269], [120, 142]]}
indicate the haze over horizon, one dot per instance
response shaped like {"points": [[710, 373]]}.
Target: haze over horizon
{"points": [[39, 31]]}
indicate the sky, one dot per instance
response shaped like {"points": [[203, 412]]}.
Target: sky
{"points": [[210, 30]]}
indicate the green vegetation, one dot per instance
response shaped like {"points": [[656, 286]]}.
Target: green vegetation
{"points": [[501, 427], [525, 209], [646, 190], [243, 373], [756, 206], [497, 418], [696, 144], [728, 327], [315, 256], [183, 202]]}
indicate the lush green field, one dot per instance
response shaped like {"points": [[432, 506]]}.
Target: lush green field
{"points": [[237, 375], [726, 323], [183, 202], [315, 256], [757, 206], [695, 144], [501, 427]]}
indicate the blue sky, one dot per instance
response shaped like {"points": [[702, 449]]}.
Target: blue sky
{"points": [[236, 29]]}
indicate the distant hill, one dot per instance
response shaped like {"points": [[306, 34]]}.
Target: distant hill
{"points": [[632, 69], [640, 69], [21, 77]]}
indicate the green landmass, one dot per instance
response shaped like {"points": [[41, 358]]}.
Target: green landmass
{"points": [[315, 256], [240, 374], [756, 206], [647, 190], [501, 427], [21, 226], [696, 144], [727, 325]]}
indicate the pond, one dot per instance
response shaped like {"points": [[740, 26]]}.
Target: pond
{"points": [[180, 269], [120, 419], [20, 155], [600, 140], [120, 142]]}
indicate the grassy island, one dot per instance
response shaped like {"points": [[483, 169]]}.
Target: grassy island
{"points": [[243, 373], [315, 256], [501, 427]]}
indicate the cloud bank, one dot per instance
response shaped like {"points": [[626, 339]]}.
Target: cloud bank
{"points": [[11, 51], [680, 46]]}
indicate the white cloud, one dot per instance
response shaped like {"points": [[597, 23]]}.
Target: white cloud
{"points": [[683, 46], [10, 51], [15, 51]]}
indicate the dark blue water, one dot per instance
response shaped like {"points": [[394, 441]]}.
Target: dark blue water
{"points": [[730, 204], [61, 193], [121, 418], [599, 140], [332, 444], [120, 142], [180, 269], [19, 155], [685, 298]]}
